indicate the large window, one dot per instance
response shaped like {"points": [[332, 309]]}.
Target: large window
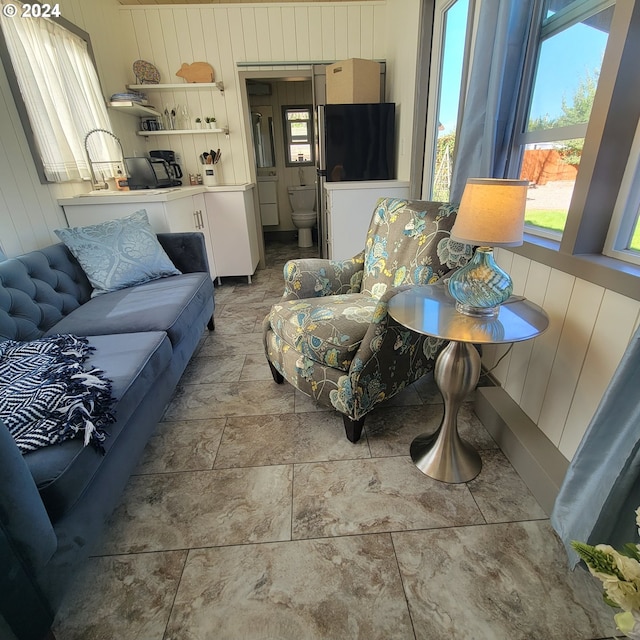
{"points": [[573, 132], [57, 91], [448, 69], [571, 47]]}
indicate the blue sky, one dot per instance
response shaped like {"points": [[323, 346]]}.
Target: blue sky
{"points": [[566, 59]]}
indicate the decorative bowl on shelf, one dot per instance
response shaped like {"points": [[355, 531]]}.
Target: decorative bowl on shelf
{"points": [[145, 72]]}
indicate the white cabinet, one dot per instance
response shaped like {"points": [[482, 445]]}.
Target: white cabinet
{"points": [[268, 198], [172, 210], [348, 210], [232, 225]]}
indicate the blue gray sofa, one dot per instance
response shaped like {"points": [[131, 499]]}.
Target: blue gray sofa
{"points": [[54, 501]]}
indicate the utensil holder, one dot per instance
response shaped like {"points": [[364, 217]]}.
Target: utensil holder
{"points": [[210, 175]]}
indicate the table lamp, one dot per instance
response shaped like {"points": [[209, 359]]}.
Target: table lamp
{"points": [[491, 214]]}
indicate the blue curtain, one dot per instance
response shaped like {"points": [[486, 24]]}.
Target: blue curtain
{"points": [[601, 490], [486, 132]]}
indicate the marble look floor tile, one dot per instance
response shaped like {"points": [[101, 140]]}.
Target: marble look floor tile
{"points": [[223, 344], [244, 293], [121, 597], [219, 400], [230, 324], [407, 397], [371, 496], [284, 439], [306, 590], [392, 430], [186, 445], [501, 493], [498, 582], [202, 370], [255, 367], [305, 404], [202, 508], [427, 390]]}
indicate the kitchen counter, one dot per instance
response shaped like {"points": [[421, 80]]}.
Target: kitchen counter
{"points": [[110, 196]]}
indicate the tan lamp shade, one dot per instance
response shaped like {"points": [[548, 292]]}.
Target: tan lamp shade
{"points": [[491, 213]]}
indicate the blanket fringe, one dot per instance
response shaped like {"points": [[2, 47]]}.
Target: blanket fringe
{"points": [[46, 395]]}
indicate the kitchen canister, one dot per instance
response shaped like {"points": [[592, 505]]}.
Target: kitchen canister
{"points": [[211, 175]]}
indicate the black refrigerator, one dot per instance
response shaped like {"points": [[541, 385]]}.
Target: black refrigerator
{"points": [[355, 142]]}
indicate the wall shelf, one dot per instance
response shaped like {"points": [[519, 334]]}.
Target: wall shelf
{"points": [[174, 132], [134, 109], [178, 86]]}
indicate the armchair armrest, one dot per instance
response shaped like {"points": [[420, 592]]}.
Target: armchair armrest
{"points": [[315, 277], [186, 250], [390, 357]]}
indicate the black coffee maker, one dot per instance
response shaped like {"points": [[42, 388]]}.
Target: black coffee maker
{"points": [[175, 172]]}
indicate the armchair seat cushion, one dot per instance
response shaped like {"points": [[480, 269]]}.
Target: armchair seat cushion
{"points": [[327, 330]]}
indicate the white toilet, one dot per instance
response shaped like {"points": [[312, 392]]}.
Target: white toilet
{"points": [[303, 203]]}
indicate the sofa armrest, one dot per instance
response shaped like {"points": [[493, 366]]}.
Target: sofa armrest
{"points": [[27, 543], [186, 250], [315, 277]]}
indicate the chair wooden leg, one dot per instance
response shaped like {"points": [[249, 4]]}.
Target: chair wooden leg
{"points": [[353, 428], [211, 325], [277, 376]]}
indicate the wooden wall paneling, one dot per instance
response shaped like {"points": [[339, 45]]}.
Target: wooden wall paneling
{"points": [[235, 163], [328, 33], [275, 33], [250, 34], [520, 361], [341, 33], [609, 340], [354, 33], [158, 50], [143, 35], [315, 33], [263, 37], [289, 33], [582, 313], [301, 17], [367, 37], [170, 42], [556, 301]]}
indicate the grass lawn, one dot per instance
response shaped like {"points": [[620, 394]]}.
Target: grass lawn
{"points": [[555, 219]]}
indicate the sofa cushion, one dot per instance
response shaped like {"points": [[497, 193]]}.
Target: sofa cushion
{"points": [[118, 253], [132, 362], [171, 305], [328, 329]]}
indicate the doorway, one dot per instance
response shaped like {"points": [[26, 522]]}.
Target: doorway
{"points": [[265, 94]]}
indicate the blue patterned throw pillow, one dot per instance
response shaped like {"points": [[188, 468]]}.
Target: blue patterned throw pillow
{"points": [[118, 253]]}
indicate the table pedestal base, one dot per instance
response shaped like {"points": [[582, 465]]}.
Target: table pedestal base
{"points": [[443, 455]]}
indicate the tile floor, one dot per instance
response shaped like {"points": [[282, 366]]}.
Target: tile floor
{"points": [[251, 516]]}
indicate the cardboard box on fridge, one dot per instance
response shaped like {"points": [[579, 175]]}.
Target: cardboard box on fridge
{"points": [[353, 81]]}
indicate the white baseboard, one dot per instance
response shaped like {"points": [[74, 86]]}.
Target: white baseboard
{"points": [[536, 459]]}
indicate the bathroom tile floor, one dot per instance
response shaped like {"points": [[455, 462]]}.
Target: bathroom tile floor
{"points": [[251, 516]]}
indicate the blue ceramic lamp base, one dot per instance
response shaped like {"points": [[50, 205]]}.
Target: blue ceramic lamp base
{"points": [[481, 286]]}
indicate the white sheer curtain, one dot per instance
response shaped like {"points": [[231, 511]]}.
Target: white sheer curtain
{"points": [[62, 94]]}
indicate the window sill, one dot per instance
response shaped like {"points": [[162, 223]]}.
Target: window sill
{"points": [[616, 275]]}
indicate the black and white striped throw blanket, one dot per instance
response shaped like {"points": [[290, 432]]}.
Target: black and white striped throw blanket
{"points": [[47, 396]]}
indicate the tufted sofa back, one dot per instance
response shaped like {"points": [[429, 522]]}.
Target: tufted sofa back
{"points": [[37, 290]]}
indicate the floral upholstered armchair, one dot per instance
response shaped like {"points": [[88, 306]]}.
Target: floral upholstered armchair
{"points": [[331, 337]]}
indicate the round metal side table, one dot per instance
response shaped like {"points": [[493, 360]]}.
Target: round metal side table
{"points": [[430, 310]]}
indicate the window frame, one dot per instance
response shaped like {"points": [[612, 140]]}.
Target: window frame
{"points": [[610, 132], [287, 135], [5, 59]]}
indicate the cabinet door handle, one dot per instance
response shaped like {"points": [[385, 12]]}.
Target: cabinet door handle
{"points": [[201, 219], [195, 219]]}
